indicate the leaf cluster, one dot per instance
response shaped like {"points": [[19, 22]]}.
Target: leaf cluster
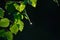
{"points": [[18, 10]]}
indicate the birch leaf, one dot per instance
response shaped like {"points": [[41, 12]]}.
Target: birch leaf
{"points": [[4, 22], [32, 2], [14, 29], [21, 25]]}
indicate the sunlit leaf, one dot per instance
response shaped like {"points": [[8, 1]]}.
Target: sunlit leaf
{"points": [[18, 21], [16, 6], [21, 25], [22, 16], [32, 2], [16, 10], [20, 7], [14, 28], [4, 22], [9, 35], [1, 13]]}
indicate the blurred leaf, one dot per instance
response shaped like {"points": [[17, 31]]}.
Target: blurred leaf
{"points": [[5, 34], [1, 13], [10, 7], [2, 33], [18, 15], [9, 35], [25, 1], [56, 1], [21, 25], [4, 22], [32, 2], [20, 7], [18, 21], [22, 16], [16, 6], [14, 29], [26, 15]]}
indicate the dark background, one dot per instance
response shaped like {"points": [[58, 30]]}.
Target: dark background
{"points": [[45, 18]]}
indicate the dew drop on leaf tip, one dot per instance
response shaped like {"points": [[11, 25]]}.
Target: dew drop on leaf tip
{"points": [[30, 22]]}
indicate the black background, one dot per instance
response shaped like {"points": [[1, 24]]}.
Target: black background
{"points": [[45, 18]]}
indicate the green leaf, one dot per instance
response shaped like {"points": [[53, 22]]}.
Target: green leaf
{"points": [[9, 35], [20, 7], [1, 13], [18, 21], [4, 22], [16, 6], [21, 25], [2, 33], [5, 34], [14, 28], [22, 17], [25, 1], [10, 7], [32, 2], [18, 15]]}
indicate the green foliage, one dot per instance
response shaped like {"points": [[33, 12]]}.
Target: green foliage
{"points": [[32, 2], [18, 15], [4, 22], [5, 34], [20, 7], [21, 25], [10, 7], [18, 11], [2, 33], [9, 35], [14, 28], [1, 13]]}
